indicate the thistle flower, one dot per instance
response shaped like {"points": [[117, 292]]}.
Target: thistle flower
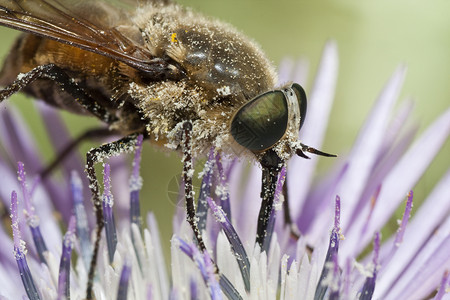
{"points": [[354, 200]]}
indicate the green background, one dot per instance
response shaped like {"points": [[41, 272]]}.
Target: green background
{"points": [[373, 38]]}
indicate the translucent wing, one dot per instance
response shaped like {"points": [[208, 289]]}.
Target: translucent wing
{"points": [[88, 27]]}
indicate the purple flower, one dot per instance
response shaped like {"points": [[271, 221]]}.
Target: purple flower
{"points": [[340, 253]]}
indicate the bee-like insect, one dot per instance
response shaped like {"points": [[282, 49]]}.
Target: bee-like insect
{"points": [[182, 80]]}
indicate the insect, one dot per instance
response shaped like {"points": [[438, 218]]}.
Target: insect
{"points": [[182, 80]]}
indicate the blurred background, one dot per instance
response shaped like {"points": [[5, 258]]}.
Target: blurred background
{"points": [[373, 38]]}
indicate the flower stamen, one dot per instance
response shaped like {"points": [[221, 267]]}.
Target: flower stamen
{"points": [[31, 217], [108, 215]]}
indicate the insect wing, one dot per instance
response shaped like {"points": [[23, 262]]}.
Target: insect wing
{"points": [[57, 20]]}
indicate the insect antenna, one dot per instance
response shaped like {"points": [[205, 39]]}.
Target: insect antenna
{"points": [[305, 148]]}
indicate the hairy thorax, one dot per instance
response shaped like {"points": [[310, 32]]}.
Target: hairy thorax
{"points": [[223, 70]]}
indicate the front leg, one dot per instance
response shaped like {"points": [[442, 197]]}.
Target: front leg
{"points": [[94, 156], [188, 171], [271, 166], [67, 84]]}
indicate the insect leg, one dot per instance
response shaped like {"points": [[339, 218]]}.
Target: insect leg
{"points": [[93, 157], [188, 171], [55, 73], [271, 166], [88, 134]]}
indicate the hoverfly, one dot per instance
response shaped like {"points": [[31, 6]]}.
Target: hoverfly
{"points": [[180, 79]]}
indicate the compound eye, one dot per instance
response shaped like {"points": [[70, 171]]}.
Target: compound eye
{"points": [[261, 122], [301, 98]]}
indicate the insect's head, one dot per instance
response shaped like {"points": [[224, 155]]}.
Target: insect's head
{"points": [[270, 123]]}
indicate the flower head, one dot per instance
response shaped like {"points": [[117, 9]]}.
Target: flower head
{"points": [[337, 217]]}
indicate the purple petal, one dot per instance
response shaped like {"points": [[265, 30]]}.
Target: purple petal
{"points": [[9, 182], [137, 158], [443, 287], [204, 264], [193, 289], [228, 289], [149, 295], [285, 70], [335, 284], [6, 260], [426, 268], [205, 191], [18, 141], [62, 288], [408, 169], [19, 253], [174, 295], [383, 166], [27, 279], [160, 263], [235, 242], [347, 279], [81, 218], [15, 220], [429, 216], [246, 215], [366, 148], [120, 173], [406, 214], [108, 215], [333, 248], [32, 218], [64, 265], [59, 136], [24, 148], [214, 287], [395, 126], [300, 74], [373, 202], [136, 185], [314, 128], [45, 211], [222, 188], [395, 243], [293, 71], [369, 284], [125, 275], [276, 206], [314, 221]]}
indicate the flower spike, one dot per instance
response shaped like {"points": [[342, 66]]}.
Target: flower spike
{"points": [[222, 189], [235, 242], [19, 252], [276, 206], [369, 284], [124, 282], [323, 284], [205, 191], [64, 266], [205, 265], [108, 215], [32, 218], [82, 225], [443, 288], [136, 184]]}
